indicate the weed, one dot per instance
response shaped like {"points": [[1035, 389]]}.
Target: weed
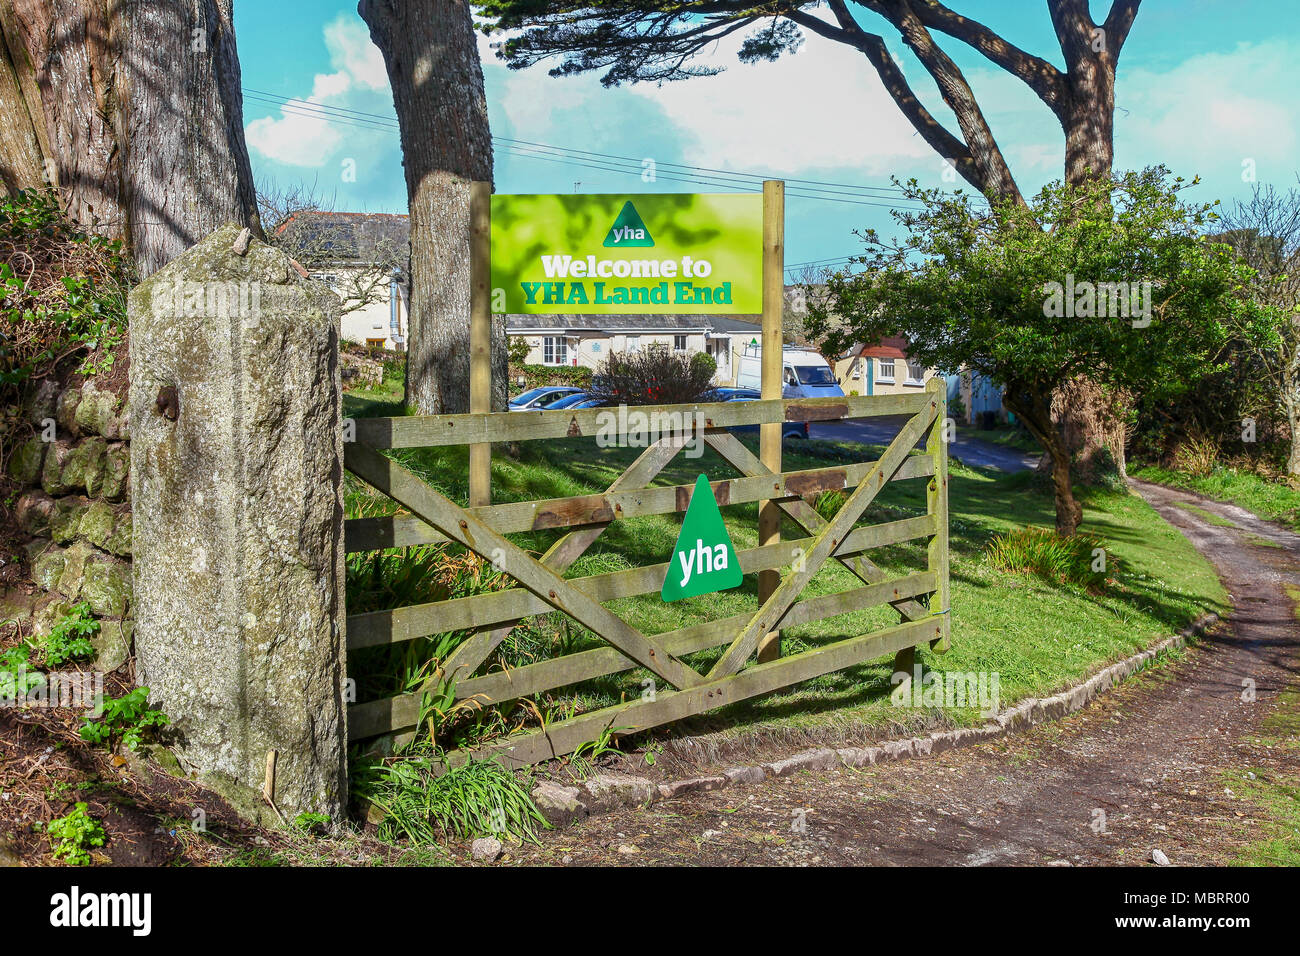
{"points": [[75, 833], [70, 638], [1057, 558], [128, 719]]}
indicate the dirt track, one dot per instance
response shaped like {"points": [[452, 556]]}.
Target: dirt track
{"points": [[1141, 768]]}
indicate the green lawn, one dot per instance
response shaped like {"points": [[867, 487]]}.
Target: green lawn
{"points": [[1270, 500], [1037, 636]]}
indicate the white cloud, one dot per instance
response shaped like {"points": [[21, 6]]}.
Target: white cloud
{"points": [[1211, 112], [296, 138]]}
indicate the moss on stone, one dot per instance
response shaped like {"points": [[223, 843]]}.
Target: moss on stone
{"points": [[106, 586], [25, 464]]}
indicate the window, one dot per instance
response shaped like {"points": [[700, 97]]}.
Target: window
{"points": [[373, 342], [634, 343], [555, 351], [915, 374], [679, 343], [886, 370]]}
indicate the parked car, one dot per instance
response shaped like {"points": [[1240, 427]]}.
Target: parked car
{"points": [[789, 430], [536, 398], [567, 401]]}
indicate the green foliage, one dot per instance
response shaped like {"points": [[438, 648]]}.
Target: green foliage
{"points": [[421, 802], [1055, 558], [312, 822], [15, 677], [62, 291], [70, 638], [1273, 500], [128, 719], [653, 376], [980, 286], [75, 833], [535, 375]]}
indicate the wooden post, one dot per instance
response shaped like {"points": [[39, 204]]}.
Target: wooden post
{"points": [[936, 500], [769, 439], [480, 336]]}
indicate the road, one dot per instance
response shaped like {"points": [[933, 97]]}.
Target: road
{"points": [[972, 451], [1159, 762]]}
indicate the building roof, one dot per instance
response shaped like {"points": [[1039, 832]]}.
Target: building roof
{"points": [[348, 237]]}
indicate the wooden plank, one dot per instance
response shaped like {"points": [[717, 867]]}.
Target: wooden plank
{"points": [[823, 545], [423, 431], [937, 505], [372, 534], [400, 713], [637, 715], [807, 518], [404, 487], [480, 335], [769, 436], [470, 654], [498, 607]]}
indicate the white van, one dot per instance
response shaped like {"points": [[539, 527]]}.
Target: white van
{"points": [[804, 373]]}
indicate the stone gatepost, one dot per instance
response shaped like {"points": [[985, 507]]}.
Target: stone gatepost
{"points": [[236, 480]]}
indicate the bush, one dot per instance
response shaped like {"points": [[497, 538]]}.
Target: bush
{"points": [[62, 293], [535, 375], [1057, 558], [654, 376]]}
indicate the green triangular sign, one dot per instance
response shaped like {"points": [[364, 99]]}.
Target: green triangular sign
{"points": [[703, 559], [628, 230]]}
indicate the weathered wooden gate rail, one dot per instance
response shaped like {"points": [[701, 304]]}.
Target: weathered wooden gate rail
{"points": [[482, 529]]}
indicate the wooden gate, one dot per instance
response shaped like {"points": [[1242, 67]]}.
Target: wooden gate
{"points": [[921, 598]]}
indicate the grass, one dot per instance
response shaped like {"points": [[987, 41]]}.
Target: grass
{"points": [[1037, 634], [1271, 500], [1209, 517], [1274, 794]]}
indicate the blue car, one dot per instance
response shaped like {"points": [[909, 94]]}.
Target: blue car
{"points": [[567, 401], [536, 398]]}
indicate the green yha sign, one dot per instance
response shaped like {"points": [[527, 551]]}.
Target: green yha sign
{"points": [[686, 253]]}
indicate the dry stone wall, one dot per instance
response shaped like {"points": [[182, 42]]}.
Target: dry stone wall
{"points": [[76, 474]]}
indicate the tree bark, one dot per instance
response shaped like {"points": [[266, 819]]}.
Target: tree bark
{"points": [[186, 166], [1037, 416], [433, 67], [132, 111]]}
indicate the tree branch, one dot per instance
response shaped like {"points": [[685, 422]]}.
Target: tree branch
{"points": [[1039, 75]]}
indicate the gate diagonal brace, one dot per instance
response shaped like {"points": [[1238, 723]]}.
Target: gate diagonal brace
{"points": [[400, 484]]}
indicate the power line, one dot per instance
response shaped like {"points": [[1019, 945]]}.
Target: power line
{"points": [[608, 162]]}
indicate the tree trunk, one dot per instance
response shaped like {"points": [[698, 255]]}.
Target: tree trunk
{"points": [[132, 110], [1293, 420], [1035, 412], [186, 166], [433, 67], [1090, 422], [62, 57]]}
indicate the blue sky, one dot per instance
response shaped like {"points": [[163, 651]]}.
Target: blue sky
{"points": [[1205, 86]]}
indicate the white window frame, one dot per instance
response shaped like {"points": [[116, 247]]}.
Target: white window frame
{"points": [[634, 343], [886, 376], [555, 350], [915, 379], [683, 339]]}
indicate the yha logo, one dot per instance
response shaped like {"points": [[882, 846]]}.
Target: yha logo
{"points": [[629, 231], [74, 908]]}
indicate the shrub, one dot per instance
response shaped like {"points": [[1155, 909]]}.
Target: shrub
{"points": [[654, 376], [70, 638], [128, 718], [62, 292], [1060, 559]]}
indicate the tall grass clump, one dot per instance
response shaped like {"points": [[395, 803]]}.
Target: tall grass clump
{"points": [[420, 801], [1056, 558]]}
